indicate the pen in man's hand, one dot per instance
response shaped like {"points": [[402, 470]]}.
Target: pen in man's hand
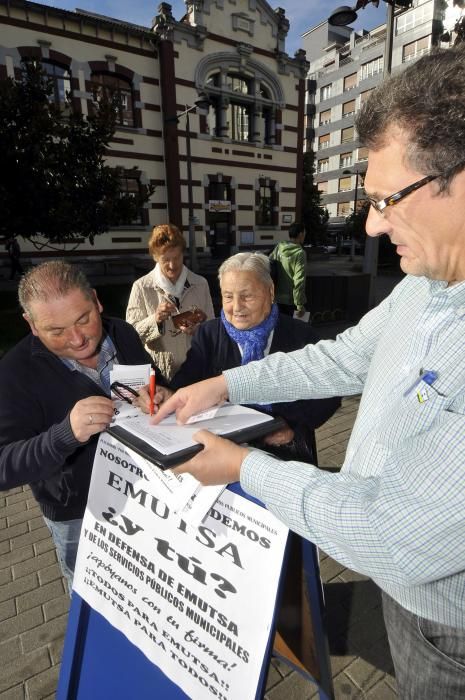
{"points": [[152, 391]]}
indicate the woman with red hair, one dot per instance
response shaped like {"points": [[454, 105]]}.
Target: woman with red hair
{"points": [[158, 297]]}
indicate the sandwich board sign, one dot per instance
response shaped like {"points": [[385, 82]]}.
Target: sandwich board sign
{"points": [[168, 608]]}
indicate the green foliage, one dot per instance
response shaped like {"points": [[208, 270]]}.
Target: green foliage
{"points": [[313, 216], [54, 181], [355, 228], [355, 223]]}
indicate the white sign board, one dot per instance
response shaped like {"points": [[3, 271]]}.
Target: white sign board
{"points": [[198, 601], [219, 205]]}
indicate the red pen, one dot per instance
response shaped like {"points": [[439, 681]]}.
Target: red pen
{"points": [[152, 391]]}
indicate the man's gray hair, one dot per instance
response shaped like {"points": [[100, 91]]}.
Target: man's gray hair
{"points": [[50, 280], [427, 101], [257, 263]]}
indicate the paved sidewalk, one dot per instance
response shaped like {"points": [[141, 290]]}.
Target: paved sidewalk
{"points": [[34, 605]]}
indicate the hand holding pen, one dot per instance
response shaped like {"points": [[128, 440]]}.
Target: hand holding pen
{"points": [[164, 310], [145, 398], [162, 394]]}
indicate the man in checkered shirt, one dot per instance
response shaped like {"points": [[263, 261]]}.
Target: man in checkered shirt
{"points": [[395, 511]]}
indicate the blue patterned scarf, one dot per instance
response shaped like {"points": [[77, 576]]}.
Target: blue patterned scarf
{"points": [[253, 341]]}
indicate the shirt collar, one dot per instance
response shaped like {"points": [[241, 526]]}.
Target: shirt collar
{"points": [[455, 293]]}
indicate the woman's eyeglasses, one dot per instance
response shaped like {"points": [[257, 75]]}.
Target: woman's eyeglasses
{"points": [[123, 391]]}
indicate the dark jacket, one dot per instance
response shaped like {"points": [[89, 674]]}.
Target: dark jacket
{"points": [[37, 445], [213, 351], [13, 249]]}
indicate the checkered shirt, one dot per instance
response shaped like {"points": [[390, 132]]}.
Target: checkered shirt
{"points": [[396, 511]]}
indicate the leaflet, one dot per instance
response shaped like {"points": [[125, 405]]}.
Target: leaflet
{"points": [[182, 493], [135, 376]]}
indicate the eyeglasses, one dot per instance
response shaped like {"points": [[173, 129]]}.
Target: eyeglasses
{"points": [[382, 204], [123, 391]]}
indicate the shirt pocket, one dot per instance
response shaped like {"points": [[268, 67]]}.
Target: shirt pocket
{"points": [[412, 416]]}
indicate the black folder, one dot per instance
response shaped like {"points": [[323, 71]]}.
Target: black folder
{"points": [[143, 448]]}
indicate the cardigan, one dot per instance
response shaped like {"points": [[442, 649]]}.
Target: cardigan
{"points": [[37, 445], [213, 351]]}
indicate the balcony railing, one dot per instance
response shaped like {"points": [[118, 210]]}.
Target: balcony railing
{"points": [[345, 61], [374, 43]]}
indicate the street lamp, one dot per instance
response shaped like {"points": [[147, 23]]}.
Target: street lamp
{"points": [[358, 174], [343, 16], [202, 103]]}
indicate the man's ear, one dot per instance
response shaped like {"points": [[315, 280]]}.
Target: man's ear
{"points": [[30, 321], [97, 302]]}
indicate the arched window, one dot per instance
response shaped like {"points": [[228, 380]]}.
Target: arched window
{"points": [[244, 97], [246, 106], [111, 87]]}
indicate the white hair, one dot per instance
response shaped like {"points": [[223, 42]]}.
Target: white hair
{"points": [[257, 263]]}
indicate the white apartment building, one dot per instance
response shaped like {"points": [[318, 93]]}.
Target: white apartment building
{"points": [[345, 66]]}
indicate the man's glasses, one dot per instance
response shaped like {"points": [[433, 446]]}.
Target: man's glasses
{"points": [[382, 204]]}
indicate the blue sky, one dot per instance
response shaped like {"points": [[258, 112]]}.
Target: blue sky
{"points": [[302, 14]]}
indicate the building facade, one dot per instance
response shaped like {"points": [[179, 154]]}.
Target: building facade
{"points": [[345, 66], [242, 155]]}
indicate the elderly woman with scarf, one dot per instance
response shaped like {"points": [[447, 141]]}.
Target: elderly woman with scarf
{"points": [[250, 327], [169, 289]]}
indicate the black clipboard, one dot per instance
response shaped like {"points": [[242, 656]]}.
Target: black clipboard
{"points": [[167, 461]]}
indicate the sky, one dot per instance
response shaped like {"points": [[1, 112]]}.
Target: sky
{"points": [[302, 14]]}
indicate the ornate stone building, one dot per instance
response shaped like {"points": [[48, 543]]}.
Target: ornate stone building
{"points": [[245, 144]]}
